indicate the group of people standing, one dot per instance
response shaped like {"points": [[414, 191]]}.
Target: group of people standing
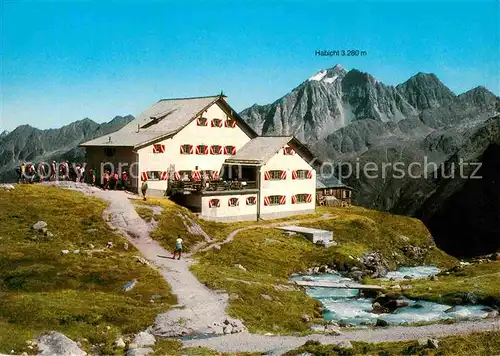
{"points": [[114, 180], [31, 173]]}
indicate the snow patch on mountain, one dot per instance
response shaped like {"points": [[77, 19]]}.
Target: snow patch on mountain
{"points": [[318, 76]]}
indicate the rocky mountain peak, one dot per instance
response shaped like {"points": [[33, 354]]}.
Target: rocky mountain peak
{"points": [[425, 91]]}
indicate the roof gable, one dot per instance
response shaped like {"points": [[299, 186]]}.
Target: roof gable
{"points": [[260, 150]]}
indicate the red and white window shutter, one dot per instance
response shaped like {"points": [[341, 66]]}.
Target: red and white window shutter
{"points": [[309, 174], [144, 176], [294, 174], [267, 201], [283, 175], [233, 202], [158, 148], [230, 123], [177, 176], [202, 150], [202, 121], [230, 150], [214, 203], [216, 123], [309, 198], [164, 175], [214, 175], [294, 199], [267, 175], [283, 200], [215, 150], [186, 149]]}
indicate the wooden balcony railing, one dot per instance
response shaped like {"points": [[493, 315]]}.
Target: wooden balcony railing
{"points": [[212, 186]]}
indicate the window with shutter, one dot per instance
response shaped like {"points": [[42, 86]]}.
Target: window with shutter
{"points": [[201, 149], [186, 149], [216, 150], [251, 201], [214, 203], [216, 123], [202, 121], [233, 202], [230, 150], [275, 175], [154, 175], [300, 198], [288, 151]]}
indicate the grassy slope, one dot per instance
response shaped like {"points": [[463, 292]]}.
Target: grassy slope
{"points": [[171, 223], [270, 257], [482, 280], [360, 230], [487, 343], [77, 294]]}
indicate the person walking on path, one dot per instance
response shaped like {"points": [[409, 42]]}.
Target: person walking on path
{"points": [[144, 188], [178, 247]]}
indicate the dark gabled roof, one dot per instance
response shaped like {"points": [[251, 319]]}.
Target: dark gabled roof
{"points": [[329, 181], [163, 119]]}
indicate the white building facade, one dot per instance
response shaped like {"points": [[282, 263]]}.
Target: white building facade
{"points": [[201, 153]]}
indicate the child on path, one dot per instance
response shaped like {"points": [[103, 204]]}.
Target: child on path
{"points": [[178, 247]]}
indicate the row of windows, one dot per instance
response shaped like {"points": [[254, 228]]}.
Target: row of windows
{"points": [[203, 121], [268, 200], [232, 202], [281, 175], [187, 149]]}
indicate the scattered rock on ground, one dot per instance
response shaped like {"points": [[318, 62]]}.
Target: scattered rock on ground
{"points": [[266, 297], [433, 343], [143, 351], [344, 344], [381, 323], [125, 246], [39, 226], [7, 186], [120, 343], [64, 252], [76, 252], [55, 343], [144, 339], [240, 267], [142, 260], [129, 285], [306, 318]]}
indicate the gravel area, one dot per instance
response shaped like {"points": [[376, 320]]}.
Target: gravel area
{"points": [[277, 345]]}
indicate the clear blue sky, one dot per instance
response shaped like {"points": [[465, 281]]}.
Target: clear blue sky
{"points": [[63, 61]]}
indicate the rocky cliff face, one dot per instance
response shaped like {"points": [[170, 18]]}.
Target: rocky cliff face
{"points": [[349, 116], [30, 144]]}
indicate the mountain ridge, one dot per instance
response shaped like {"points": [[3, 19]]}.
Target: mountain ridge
{"points": [[358, 118]]}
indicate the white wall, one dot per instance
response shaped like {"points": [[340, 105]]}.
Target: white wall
{"points": [[226, 212], [287, 187], [194, 135]]}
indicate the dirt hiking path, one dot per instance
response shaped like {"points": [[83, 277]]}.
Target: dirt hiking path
{"points": [[199, 307]]}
